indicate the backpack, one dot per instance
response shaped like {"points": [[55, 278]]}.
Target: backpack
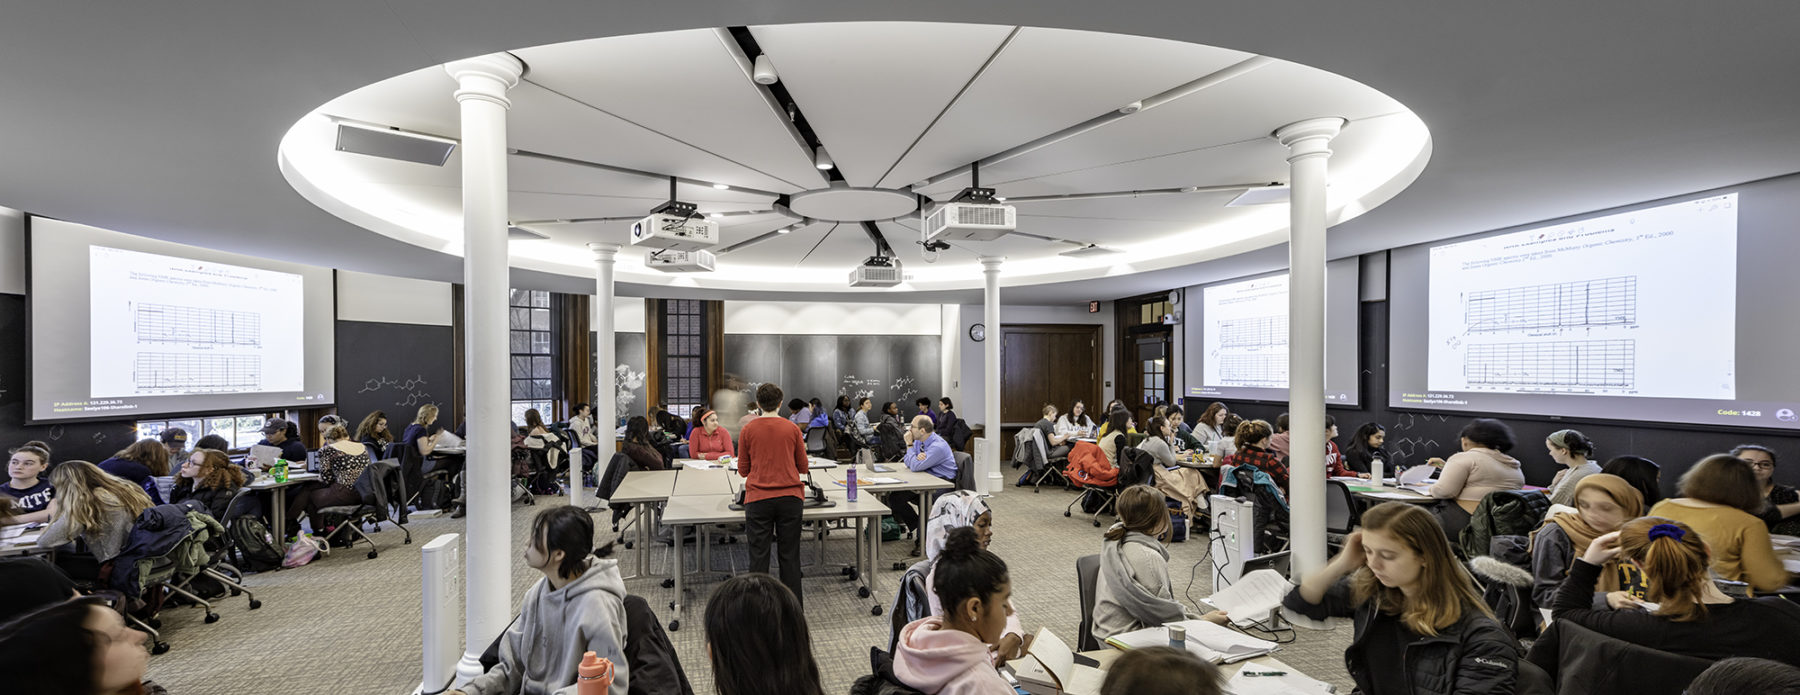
{"points": [[543, 482], [435, 494], [252, 547]]}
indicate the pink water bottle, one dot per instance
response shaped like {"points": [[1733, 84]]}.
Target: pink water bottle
{"points": [[850, 481], [594, 675]]}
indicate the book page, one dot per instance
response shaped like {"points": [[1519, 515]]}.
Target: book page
{"points": [[1252, 597]]}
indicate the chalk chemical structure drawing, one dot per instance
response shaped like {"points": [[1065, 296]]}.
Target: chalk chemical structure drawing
{"points": [[627, 382], [408, 392], [856, 387], [903, 389]]}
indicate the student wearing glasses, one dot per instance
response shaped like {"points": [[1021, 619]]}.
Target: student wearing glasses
{"points": [[1783, 501]]}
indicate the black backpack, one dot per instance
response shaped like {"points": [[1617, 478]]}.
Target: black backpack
{"points": [[253, 548]]}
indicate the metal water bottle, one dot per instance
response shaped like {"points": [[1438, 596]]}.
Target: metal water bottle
{"points": [[850, 481]]}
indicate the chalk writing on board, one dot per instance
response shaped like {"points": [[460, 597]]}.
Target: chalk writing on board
{"points": [[856, 387], [903, 389], [56, 432], [407, 392]]}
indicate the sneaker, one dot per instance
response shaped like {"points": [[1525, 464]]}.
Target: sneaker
{"points": [[460, 512]]}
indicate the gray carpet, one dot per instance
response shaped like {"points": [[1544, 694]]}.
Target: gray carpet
{"points": [[349, 624]]}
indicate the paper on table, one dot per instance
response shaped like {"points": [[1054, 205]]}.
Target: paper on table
{"points": [[448, 440], [1291, 682], [1393, 495], [1252, 597], [700, 464], [870, 481], [1789, 542], [11, 532], [1214, 643], [264, 454], [1416, 474]]}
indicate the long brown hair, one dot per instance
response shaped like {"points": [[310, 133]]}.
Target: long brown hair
{"points": [[1212, 411], [1141, 508], [149, 452], [1675, 565], [83, 492], [1723, 479], [1445, 589], [217, 472], [365, 431]]}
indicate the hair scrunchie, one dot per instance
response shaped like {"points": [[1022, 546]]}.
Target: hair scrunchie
{"points": [[1667, 531]]}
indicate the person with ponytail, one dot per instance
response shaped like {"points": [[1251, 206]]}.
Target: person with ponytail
{"points": [[1572, 450], [964, 509], [1421, 626], [948, 654], [1691, 616], [1133, 590], [1720, 499]]}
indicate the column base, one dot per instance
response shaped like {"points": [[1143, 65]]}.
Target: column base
{"points": [[467, 669]]}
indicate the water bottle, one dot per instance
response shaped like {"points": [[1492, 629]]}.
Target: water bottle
{"points": [[850, 481], [1375, 472], [280, 470], [594, 676], [1178, 637]]}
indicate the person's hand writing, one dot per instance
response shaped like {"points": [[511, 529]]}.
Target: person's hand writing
{"points": [[1602, 550]]}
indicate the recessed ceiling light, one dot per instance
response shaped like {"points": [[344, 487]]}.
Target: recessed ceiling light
{"points": [[722, 187], [784, 230]]}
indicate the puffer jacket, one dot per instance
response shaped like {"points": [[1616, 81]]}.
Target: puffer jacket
{"points": [[1503, 513], [1473, 655]]}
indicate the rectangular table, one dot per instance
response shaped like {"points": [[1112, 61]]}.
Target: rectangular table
{"points": [[910, 481], [278, 521], [643, 490], [700, 510]]}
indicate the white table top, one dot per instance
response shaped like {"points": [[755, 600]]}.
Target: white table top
{"points": [[645, 486], [690, 481], [909, 480], [293, 479], [716, 509]]}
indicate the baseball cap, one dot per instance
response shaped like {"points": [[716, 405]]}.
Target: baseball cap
{"points": [[274, 424], [174, 435]]}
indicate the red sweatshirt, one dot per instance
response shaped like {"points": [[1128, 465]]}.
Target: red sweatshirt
{"points": [[771, 457], [709, 446]]}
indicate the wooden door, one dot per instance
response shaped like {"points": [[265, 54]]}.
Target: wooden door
{"points": [[1047, 363]]}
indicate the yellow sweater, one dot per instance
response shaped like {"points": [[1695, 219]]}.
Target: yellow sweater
{"points": [[1740, 545]]}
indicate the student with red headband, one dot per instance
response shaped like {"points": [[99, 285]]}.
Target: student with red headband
{"points": [[710, 441]]}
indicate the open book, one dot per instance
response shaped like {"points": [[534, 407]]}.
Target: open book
{"points": [[1049, 668], [1215, 643]]}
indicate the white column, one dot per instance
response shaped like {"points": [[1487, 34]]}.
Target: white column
{"points": [[606, 403], [990, 478], [1308, 144], [481, 96]]}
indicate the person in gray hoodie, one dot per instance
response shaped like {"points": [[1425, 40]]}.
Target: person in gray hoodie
{"points": [[578, 607]]}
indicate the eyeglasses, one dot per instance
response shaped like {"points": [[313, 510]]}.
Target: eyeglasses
{"points": [[1763, 465]]}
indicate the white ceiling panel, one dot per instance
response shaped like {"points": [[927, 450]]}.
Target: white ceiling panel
{"points": [[902, 73], [685, 85], [420, 101], [1257, 161], [1049, 79]]}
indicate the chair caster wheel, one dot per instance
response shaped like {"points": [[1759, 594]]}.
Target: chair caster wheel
{"points": [[1067, 514], [154, 623], [1096, 523], [853, 575], [212, 618], [408, 541], [668, 584], [374, 554], [159, 648], [630, 544], [255, 604], [862, 592], [674, 625], [1035, 491], [847, 571], [671, 605], [874, 610]]}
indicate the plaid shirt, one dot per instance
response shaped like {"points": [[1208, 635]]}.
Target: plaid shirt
{"points": [[1262, 459]]}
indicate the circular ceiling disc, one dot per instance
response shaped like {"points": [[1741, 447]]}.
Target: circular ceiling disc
{"points": [[845, 204]]}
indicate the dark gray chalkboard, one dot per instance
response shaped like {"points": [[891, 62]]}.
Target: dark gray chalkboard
{"points": [[392, 367], [883, 367], [90, 441]]}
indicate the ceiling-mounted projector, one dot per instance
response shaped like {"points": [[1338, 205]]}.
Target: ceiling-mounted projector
{"points": [[682, 261], [877, 271], [969, 222], [674, 232]]}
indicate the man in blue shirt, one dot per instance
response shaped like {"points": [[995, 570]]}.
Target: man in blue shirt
{"points": [[929, 452], [275, 434]]}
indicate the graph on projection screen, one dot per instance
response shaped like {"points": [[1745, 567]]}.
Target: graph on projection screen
{"points": [[175, 326], [1591, 307], [1247, 345]]}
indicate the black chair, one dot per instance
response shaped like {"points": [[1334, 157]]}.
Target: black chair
{"points": [[1581, 660], [380, 484], [815, 442], [1087, 574], [1340, 512]]}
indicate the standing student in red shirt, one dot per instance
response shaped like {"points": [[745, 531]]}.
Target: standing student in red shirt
{"points": [[772, 457]]}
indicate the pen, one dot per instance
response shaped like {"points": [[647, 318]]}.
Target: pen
{"points": [[1253, 674]]}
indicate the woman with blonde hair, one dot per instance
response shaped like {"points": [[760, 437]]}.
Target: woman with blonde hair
{"points": [[1421, 626], [1133, 590], [141, 463], [1691, 617], [94, 507]]}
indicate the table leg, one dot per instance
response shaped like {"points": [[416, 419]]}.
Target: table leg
{"points": [[280, 521], [643, 543], [679, 604], [874, 557]]}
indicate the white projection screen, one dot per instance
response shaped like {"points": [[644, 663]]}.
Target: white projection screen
{"points": [[1236, 338], [1675, 311], [124, 327]]}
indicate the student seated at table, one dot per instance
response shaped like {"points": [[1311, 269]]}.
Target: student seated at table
{"points": [[890, 412], [341, 462], [710, 441], [948, 654], [1480, 468], [281, 434], [582, 423], [820, 418], [1693, 617], [214, 442], [965, 509], [1161, 671], [1782, 502], [142, 463], [373, 433], [26, 484], [578, 606], [840, 415], [1643, 474], [1057, 442], [1719, 498], [174, 440], [1365, 449], [1181, 434], [1115, 435], [1107, 427], [757, 641], [540, 438], [1228, 445], [1569, 449], [1604, 503], [1179, 482], [1207, 427], [1251, 440], [1075, 424], [209, 477], [946, 415], [1421, 626], [799, 412], [75, 646], [94, 507], [637, 446], [1278, 442], [1334, 459], [1133, 590], [772, 459], [859, 420]]}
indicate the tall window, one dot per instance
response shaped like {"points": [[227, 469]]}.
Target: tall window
{"points": [[533, 341], [240, 431], [683, 355]]}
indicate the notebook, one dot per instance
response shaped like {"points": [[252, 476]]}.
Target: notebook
{"points": [[1049, 668], [1252, 597], [1271, 677], [1215, 643]]}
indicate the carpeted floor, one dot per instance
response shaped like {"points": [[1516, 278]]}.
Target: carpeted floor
{"points": [[349, 624]]}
